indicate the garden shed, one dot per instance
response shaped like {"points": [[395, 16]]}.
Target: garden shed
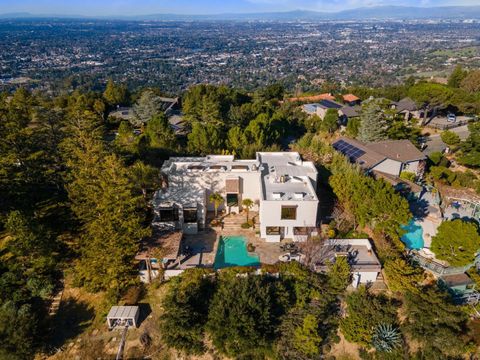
{"points": [[120, 316]]}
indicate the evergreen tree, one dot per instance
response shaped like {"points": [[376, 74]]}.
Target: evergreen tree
{"points": [[373, 122], [148, 105], [104, 201], [456, 77], [115, 94], [159, 134], [471, 82], [205, 139], [18, 329], [401, 276], [433, 320], [186, 311], [330, 121], [241, 316], [456, 242], [365, 313]]}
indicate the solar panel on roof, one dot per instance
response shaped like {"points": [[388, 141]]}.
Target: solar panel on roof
{"points": [[348, 150]]}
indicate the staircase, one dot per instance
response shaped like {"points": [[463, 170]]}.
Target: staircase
{"points": [[233, 222]]}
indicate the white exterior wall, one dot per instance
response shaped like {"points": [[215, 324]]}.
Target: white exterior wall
{"points": [[321, 112], [389, 166], [365, 276], [271, 215], [411, 166]]}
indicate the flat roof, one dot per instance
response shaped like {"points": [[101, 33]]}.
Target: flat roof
{"points": [[123, 312], [286, 177], [360, 253]]}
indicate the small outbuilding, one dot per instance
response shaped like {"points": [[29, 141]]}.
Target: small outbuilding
{"points": [[120, 316]]}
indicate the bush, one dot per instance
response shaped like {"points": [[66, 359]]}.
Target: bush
{"points": [[407, 175], [435, 157], [450, 138], [246, 225], [250, 247]]}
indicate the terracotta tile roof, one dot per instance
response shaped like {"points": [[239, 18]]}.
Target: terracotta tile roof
{"points": [[350, 98], [325, 96]]}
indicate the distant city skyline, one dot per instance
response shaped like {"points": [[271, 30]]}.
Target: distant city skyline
{"points": [[145, 7]]}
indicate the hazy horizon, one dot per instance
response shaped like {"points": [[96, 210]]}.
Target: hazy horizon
{"points": [[202, 7]]}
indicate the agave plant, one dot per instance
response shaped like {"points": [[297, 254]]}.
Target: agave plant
{"points": [[386, 338]]}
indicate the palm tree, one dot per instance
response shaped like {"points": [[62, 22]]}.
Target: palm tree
{"points": [[217, 200], [248, 203]]}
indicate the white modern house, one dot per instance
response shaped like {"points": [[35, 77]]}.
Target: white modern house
{"points": [[364, 264], [281, 184]]}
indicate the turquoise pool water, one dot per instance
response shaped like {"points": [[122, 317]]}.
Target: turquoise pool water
{"points": [[232, 251], [413, 238]]}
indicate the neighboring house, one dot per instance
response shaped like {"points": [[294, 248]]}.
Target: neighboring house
{"points": [[321, 107], [169, 105], [177, 123], [349, 112], [458, 285], [122, 113], [364, 264], [351, 100], [390, 157], [282, 186], [409, 109]]}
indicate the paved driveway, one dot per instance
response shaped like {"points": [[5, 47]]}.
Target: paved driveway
{"points": [[435, 142]]}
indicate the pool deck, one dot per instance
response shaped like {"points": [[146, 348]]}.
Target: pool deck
{"points": [[268, 252], [429, 231], [203, 247]]}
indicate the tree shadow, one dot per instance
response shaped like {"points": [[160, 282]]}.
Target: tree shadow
{"points": [[145, 311], [72, 319]]}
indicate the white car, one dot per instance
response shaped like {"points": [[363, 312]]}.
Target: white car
{"points": [[290, 257], [451, 117]]}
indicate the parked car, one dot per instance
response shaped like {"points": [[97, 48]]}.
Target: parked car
{"points": [[290, 257], [451, 117]]}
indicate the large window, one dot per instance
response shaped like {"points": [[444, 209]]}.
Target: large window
{"points": [[274, 230], [300, 231], [289, 213], [169, 214], [190, 215], [232, 199]]}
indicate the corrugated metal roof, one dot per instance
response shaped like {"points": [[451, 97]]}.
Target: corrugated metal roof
{"points": [[123, 312]]}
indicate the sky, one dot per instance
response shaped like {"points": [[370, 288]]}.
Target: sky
{"points": [[145, 7]]}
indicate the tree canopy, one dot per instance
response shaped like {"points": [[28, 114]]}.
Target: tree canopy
{"points": [[457, 242]]}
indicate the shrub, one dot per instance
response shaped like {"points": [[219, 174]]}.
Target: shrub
{"points": [[407, 175], [435, 157], [250, 247], [246, 225], [450, 138]]}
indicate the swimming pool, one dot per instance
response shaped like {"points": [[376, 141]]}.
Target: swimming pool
{"points": [[413, 238], [232, 251]]}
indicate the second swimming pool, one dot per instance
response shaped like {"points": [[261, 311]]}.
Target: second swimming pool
{"points": [[413, 238]]}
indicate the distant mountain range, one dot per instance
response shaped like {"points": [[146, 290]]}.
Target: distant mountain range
{"points": [[366, 13]]}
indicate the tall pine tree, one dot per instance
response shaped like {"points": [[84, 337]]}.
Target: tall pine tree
{"points": [[373, 122], [107, 206]]}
